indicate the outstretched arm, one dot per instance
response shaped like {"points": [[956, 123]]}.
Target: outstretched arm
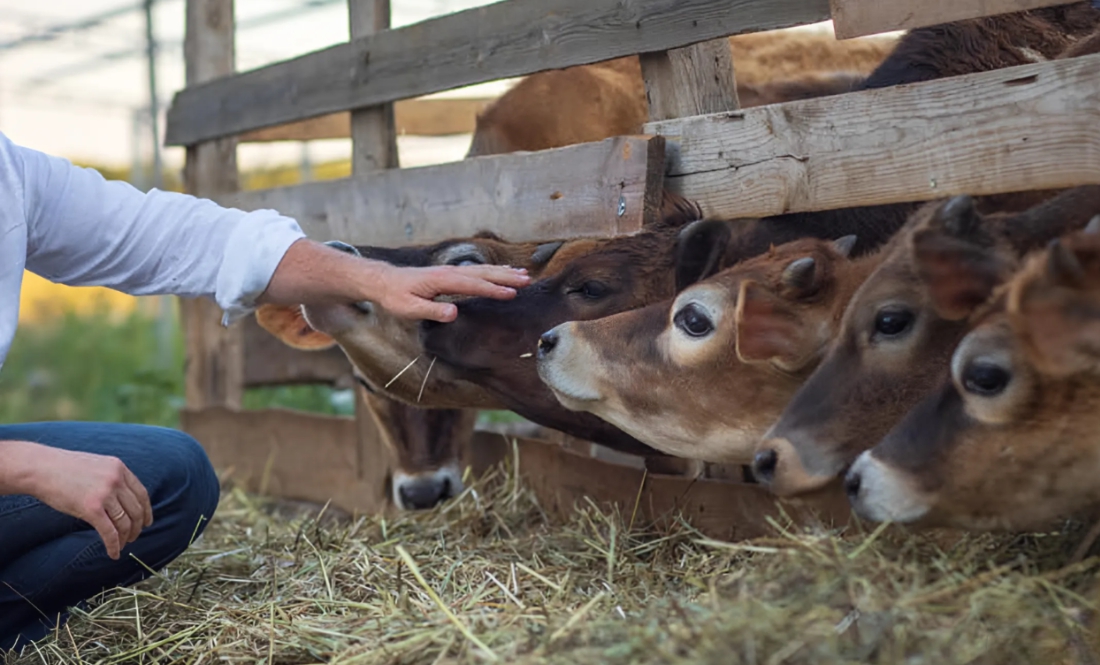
{"points": [[84, 230]]}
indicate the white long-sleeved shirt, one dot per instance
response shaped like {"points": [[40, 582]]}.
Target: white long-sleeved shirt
{"points": [[72, 226]]}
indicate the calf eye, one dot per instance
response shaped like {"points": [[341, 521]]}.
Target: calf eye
{"points": [[985, 379], [693, 321], [466, 260], [892, 322], [592, 290]]}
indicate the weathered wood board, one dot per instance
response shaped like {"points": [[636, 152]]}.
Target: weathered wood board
{"points": [[609, 187], [1021, 128], [858, 18], [413, 117], [496, 41], [289, 454], [215, 360]]}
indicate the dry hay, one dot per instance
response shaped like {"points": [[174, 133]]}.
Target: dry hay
{"points": [[490, 578]]}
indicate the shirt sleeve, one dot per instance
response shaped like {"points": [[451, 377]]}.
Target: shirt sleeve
{"points": [[84, 230]]}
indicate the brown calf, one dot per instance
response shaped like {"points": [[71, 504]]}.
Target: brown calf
{"points": [[670, 375], [593, 102], [899, 329], [1009, 441]]}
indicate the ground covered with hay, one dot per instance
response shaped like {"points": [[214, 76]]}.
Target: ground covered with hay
{"points": [[490, 578]]}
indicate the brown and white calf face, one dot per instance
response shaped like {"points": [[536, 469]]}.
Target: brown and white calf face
{"points": [[898, 332], [1010, 441], [428, 446], [670, 374], [385, 349]]}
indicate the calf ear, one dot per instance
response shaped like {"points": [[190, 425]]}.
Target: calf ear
{"points": [[767, 327], [957, 260], [290, 327], [699, 251], [1054, 305]]}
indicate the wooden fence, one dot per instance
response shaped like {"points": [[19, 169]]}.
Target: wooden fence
{"points": [[1021, 128]]}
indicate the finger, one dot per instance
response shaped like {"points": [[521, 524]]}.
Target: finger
{"points": [[455, 283], [142, 496], [444, 312], [501, 275], [135, 514], [103, 525], [120, 517]]}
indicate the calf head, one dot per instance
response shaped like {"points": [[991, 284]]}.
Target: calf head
{"points": [[1009, 440], [491, 342], [670, 373], [898, 332], [386, 349], [428, 447]]}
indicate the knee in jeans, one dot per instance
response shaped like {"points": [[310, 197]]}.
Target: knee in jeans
{"points": [[193, 473]]}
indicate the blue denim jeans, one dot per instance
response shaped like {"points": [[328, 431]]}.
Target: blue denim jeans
{"points": [[50, 562]]}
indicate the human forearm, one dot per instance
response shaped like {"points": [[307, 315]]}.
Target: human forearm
{"points": [[17, 466]]}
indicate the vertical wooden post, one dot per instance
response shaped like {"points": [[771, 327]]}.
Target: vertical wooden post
{"points": [[693, 80], [373, 147], [215, 359]]}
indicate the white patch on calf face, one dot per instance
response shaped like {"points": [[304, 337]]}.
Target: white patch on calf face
{"points": [[567, 369], [884, 494]]}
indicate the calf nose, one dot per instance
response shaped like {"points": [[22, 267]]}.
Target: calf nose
{"points": [[424, 493], [852, 483], [547, 342], [764, 463]]}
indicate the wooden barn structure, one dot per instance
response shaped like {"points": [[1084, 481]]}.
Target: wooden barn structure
{"points": [[1028, 127]]}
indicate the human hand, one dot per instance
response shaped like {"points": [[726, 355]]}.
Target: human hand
{"points": [[95, 488], [408, 292]]}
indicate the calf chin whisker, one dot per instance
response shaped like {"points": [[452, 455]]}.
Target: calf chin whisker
{"points": [[413, 362], [425, 382]]}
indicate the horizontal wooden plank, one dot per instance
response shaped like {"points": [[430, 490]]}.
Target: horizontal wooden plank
{"points": [[413, 117], [1016, 129], [720, 509], [269, 362], [565, 192], [496, 41], [289, 454], [858, 18]]}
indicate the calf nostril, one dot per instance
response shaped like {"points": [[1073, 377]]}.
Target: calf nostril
{"points": [[764, 463], [547, 342], [852, 485], [423, 494], [428, 325]]}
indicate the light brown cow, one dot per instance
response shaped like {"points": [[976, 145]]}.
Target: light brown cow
{"points": [[587, 103], [1010, 440], [670, 373], [899, 329]]}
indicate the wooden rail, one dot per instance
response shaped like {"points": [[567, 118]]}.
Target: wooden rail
{"points": [[857, 18], [414, 117], [606, 188], [1015, 129], [265, 451], [497, 41]]}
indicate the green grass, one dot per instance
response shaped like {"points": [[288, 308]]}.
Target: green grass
{"points": [[105, 367]]}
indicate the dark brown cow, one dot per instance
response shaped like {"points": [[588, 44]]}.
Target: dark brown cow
{"points": [[1009, 441], [899, 330], [670, 373]]}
